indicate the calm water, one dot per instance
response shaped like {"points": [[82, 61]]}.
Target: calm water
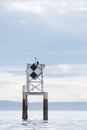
{"points": [[58, 120]]}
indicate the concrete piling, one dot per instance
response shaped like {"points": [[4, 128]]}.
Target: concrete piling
{"points": [[45, 106], [24, 105]]}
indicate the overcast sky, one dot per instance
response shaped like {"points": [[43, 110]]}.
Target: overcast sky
{"points": [[54, 31]]}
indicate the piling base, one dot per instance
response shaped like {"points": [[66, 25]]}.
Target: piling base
{"points": [[45, 106], [24, 108], [25, 105]]}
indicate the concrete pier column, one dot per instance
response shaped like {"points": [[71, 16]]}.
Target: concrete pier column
{"points": [[45, 106], [24, 105]]}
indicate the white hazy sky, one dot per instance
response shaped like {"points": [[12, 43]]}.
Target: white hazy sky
{"points": [[54, 31]]}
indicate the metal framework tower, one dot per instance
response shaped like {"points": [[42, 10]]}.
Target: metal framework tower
{"points": [[34, 86], [34, 77]]}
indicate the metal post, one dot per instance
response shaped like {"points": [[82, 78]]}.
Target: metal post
{"points": [[27, 81], [24, 105], [45, 106]]}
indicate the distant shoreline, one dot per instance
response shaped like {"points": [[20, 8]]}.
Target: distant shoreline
{"points": [[38, 106]]}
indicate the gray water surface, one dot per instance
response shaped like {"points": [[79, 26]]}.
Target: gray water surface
{"points": [[58, 120]]}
